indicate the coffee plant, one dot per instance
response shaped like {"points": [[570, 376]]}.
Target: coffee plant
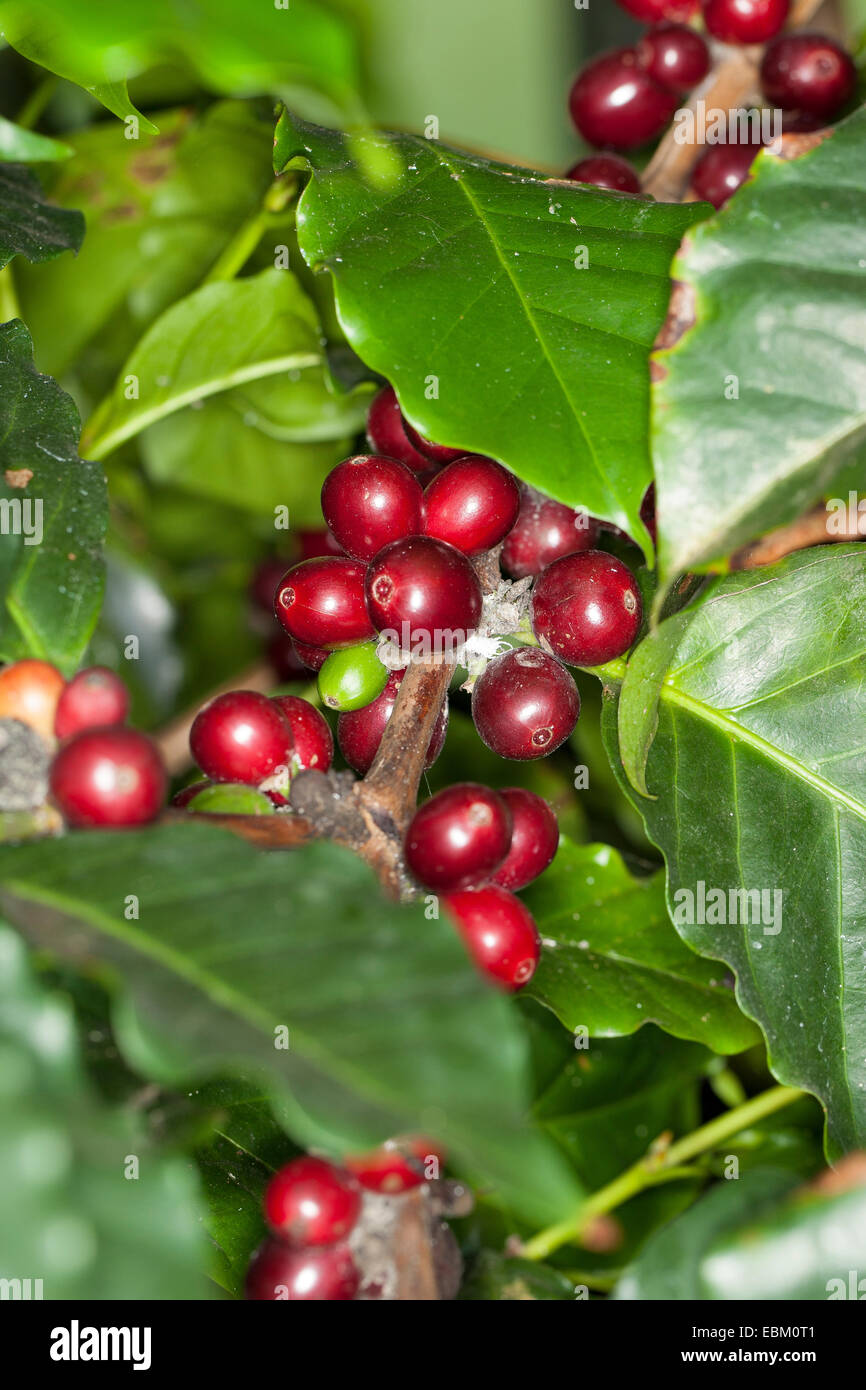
{"points": [[432, 752]]}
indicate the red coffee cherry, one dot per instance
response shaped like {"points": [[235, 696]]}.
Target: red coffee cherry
{"points": [[320, 603], [240, 737], [534, 839], [472, 504], [313, 658], [524, 704], [95, 698], [29, 692], [745, 21], [397, 1166], [544, 531], [459, 837], [675, 55], [586, 608], [312, 1202], [279, 1272], [651, 11], [436, 454], [386, 431], [721, 171], [313, 742], [809, 73], [359, 731], [499, 932], [606, 171], [263, 585], [427, 585], [370, 500], [284, 660], [316, 544], [110, 776], [615, 102]]}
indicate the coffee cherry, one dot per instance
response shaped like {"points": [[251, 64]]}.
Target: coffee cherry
{"points": [[586, 608], [397, 1166], [94, 698], [534, 839], [312, 1202], [317, 544], [544, 531], [284, 661], [352, 678], [386, 431], [230, 799], [29, 692], [312, 740], [430, 587], [606, 171], [111, 776], [313, 658], [524, 704], [473, 504], [263, 585], [721, 171], [321, 603], [436, 454], [675, 55], [279, 1272], [651, 11], [499, 932], [615, 102], [240, 737], [745, 21], [368, 501], [809, 73], [459, 837], [359, 733]]}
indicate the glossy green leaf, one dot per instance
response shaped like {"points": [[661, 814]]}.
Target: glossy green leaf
{"points": [[390, 1028], [30, 226], [757, 787], [612, 961], [21, 146], [54, 509], [305, 49], [458, 280], [224, 335], [755, 1239], [760, 404], [74, 1213], [495, 1278]]}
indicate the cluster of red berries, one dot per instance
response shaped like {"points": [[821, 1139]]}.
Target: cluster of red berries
{"points": [[312, 1207], [625, 98], [102, 773]]}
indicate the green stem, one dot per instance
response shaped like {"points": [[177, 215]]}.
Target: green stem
{"points": [[36, 102], [657, 1168], [234, 257]]}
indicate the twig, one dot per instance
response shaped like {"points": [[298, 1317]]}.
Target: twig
{"points": [[806, 531]]}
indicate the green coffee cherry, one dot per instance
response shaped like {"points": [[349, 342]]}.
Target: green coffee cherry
{"points": [[352, 678], [231, 799]]}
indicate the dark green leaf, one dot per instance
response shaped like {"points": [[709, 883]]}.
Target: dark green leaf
{"points": [[496, 1278], [460, 275], [757, 783], [54, 510], [71, 1211], [753, 1239], [29, 226], [612, 961], [777, 287], [390, 1028]]}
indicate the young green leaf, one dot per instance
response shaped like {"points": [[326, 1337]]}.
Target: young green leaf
{"points": [[21, 146], [55, 511], [513, 313], [762, 400], [757, 799], [360, 1016], [612, 961]]}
